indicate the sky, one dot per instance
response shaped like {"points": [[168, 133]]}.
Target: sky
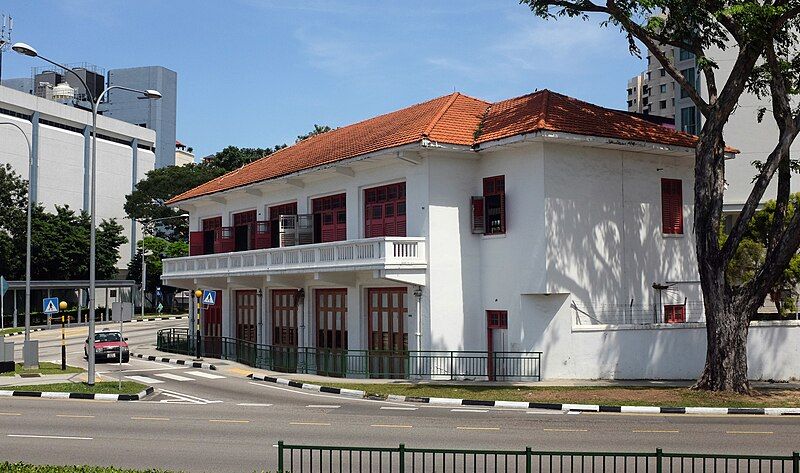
{"points": [[255, 73]]}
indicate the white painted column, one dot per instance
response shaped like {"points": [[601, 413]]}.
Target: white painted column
{"points": [[356, 319], [354, 212], [260, 315], [228, 313]]}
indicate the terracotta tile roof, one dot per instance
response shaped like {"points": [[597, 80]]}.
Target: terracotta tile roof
{"points": [[546, 110], [452, 119]]}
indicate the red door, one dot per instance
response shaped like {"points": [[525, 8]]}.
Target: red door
{"points": [[246, 323], [385, 210], [275, 213], [210, 226], [331, 319], [212, 328], [330, 218], [244, 233], [497, 328], [284, 330], [388, 339]]}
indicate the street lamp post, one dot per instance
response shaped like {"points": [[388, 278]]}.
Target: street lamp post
{"points": [[26, 344], [27, 50]]}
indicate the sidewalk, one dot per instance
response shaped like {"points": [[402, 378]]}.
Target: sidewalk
{"points": [[239, 369]]}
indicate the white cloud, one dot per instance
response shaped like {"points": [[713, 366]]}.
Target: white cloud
{"points": [[337, 53]]}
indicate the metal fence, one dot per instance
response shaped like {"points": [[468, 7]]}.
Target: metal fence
{"points": [[359, 363], [401, 459], [632, 314]]}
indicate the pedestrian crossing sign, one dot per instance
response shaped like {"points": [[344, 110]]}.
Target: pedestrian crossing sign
{"points": [[209, 297], [50, 305]]}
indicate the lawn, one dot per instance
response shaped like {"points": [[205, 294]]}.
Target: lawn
{"points": [[26, 468], [105, 387], [610, 396], [44, 368], [6, 331]]}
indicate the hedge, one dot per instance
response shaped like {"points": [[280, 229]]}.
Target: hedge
{"points": [[27, 468]]}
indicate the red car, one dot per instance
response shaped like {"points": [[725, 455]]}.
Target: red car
{"points": [[107, 345]]}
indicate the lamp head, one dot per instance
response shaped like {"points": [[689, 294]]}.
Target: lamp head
{"points": [[198, 293], [62, 305], [152, 94], [25, 49]]}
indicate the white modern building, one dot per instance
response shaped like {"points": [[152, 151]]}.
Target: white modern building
{"points": [[60, 137], [459, 237]]}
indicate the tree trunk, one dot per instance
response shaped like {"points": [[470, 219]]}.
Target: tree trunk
{"points": [[726, 354]]}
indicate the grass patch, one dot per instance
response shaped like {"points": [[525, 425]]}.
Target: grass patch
{"points": [[105, 387], [611, 396], [26, 468], [6, 331], [44, 368]]}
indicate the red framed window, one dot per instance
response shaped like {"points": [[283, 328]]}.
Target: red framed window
{"points": [[672, 206], [273, 228], [489, 210], [330, 218], [497, 319], [385, 211], [674, 313], [244, 233], [202, 242]]}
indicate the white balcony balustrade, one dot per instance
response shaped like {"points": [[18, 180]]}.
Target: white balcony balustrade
{"points": [[382, 253]]}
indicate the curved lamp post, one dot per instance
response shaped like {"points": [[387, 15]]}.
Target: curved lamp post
{"points": [[27, 243], [27, 50]]}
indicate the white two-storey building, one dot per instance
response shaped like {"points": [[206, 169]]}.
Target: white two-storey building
{"points": [[457, 237]]}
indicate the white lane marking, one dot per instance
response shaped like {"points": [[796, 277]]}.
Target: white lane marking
{"points": [[253, 404], [328, 396], [469, 410], [56, 437], [323, 406], [394, 408], [174, 377], [145, 379], [180, 397], [204, 375]]}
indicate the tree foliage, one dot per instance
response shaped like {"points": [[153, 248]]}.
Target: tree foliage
{"points": [[59, 241], [156, 249], [147, 200], [763, 35], [318, 130]]}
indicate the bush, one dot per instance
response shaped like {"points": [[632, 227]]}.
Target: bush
{"points": [[26, 468]]}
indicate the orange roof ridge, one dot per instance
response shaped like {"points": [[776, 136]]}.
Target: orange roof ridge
{"points": [[440, 113], [545, 108]]}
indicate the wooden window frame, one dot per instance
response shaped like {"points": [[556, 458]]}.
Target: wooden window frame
{"points": [[674, 313], [494, 189], [672, 206]]}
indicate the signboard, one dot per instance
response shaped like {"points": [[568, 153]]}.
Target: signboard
{"points": [[50, 305], [209, 297], [3, 286]]}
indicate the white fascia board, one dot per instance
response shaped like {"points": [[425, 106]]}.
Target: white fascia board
{"points": [[586, 140], [344, 162]]}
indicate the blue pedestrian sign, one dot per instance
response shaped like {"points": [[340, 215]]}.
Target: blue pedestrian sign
{"points": [[50, 305], [209, 297], [3, 286]]}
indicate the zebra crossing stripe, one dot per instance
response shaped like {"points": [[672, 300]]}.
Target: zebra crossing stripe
{"points": [[204, 375], [174, 377], [145, 379]]}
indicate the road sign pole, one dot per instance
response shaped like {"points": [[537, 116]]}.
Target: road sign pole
{"points": [[63, 346]]}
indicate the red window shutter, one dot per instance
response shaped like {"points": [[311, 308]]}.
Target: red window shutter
{"points": [[674, 313], [672, 206], [478, 215], [223, 240], [195, 243], [263, 235], [502, 212]]}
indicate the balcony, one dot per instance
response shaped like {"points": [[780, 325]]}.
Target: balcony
{"points": [[382, 254]]}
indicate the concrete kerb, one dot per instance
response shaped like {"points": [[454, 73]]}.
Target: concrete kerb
{"points": [[176, 361], [450, 402], [85, 396]]}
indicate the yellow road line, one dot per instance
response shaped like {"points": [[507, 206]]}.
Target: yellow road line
{"points": [[392, 426], [71, 416], [231, 421], [752, 432], [309, 423], [565, 430], [655, 431], [149, 418], [10, 414], [477, 428], [240, 371]]}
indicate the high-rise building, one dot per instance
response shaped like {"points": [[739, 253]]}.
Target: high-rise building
{"points": [[158, 115], [655, 92]]}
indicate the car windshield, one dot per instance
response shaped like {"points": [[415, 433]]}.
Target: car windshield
{"points": [[107, 337]]}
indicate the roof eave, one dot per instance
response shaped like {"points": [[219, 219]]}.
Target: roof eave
{"points": [[342, 162]]}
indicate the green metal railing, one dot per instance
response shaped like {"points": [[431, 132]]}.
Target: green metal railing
{"points": [[359, 363], [401, 459]]}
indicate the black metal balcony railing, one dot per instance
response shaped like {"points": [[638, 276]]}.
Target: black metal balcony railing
{"points": [[358, 363]]}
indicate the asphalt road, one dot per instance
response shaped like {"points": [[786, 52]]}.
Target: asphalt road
{"points": [[223, 422]]}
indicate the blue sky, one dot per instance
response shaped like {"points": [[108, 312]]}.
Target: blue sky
{"points": [[261, 72]]}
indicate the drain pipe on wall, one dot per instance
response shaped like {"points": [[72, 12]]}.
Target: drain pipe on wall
{"points": [[418, 296]]}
